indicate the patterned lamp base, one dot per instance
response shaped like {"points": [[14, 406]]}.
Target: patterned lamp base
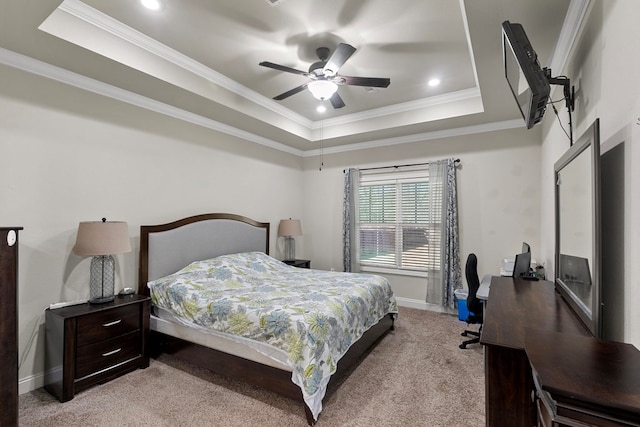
{"points": [[289, 248], [101, 284]]}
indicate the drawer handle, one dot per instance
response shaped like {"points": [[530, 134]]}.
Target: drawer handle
{"points": [[106, 325], [109, 353]]}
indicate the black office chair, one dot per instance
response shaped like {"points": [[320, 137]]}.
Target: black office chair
{"points": [[474, 305]]}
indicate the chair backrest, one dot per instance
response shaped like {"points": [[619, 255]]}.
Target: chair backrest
{"points": [[473, 282]]}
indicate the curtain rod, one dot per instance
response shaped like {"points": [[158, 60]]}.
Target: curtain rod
{"points": [[398, 166]]}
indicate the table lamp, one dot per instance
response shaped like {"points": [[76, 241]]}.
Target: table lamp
{"points": [[287, 229], [102, 239]]}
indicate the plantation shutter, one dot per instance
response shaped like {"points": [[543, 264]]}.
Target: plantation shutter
{"points": [[378, 224], [398, 226]]}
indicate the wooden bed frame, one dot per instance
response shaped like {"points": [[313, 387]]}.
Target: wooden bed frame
{"points": [[211, 235]]}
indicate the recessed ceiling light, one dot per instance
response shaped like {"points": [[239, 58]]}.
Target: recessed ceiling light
{"points": [[321, 108], [152, 4], [434, 82]]}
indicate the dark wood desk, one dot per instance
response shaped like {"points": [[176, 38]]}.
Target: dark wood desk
{"points": [[513, 306]]}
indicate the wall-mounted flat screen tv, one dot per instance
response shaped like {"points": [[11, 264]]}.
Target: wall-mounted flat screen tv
{"points": [[528, 83]]}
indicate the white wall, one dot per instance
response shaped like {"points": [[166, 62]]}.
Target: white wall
{"points": [[604, 65], [70, 156], [498, 197]]}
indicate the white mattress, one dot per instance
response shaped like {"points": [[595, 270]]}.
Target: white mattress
{"points": [[164, 322]]}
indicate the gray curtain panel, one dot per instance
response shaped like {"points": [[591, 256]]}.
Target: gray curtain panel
{"points": [[350, 238], [452, 277], [443, 279]]}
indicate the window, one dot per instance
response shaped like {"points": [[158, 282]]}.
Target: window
{"points": [[399, 221]]}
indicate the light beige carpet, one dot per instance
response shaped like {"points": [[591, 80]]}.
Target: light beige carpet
{"points": [[416, 376]]}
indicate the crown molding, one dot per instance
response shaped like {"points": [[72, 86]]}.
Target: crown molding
{"points": [[463, 13], [404, 107], [419, 137], [40, 68], [568, 35], [105, 23]]}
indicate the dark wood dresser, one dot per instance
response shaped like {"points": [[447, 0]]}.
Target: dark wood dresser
{"points": [[9, 326], [90, 344], [528, 328]]}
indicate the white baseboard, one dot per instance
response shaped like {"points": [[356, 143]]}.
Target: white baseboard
{"points": [[30, 383], [422, 305], [411, 303]]}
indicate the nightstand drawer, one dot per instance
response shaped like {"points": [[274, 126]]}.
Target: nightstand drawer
{"points": [[96, 357], [108, 324]]}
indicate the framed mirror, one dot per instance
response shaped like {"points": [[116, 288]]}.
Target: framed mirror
{"points": [[578, 243]]}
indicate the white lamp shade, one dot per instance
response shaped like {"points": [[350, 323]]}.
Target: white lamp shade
{"points": [[102, 238], [322, 89], [290, 227]]}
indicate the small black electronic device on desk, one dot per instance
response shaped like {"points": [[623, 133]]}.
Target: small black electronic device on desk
{"points": [[522, 265]]}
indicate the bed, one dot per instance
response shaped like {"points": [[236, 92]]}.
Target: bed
{"points": [[285, 345]]}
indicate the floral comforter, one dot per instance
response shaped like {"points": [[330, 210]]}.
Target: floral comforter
{"points": [[312, 315]]}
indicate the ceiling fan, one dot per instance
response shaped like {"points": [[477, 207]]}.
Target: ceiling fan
{"points": [[324, 76]]}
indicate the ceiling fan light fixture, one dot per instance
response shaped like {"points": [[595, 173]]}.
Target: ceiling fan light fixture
{"points": [[322, 89]]}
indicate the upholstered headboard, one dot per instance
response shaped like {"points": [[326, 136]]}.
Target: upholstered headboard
{"points": [[166, 248]]}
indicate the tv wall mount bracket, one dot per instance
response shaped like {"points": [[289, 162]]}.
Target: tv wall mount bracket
{"points": [[569, 96]]}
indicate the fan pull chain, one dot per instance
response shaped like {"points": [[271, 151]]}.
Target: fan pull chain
{"points": [[321, 144]]}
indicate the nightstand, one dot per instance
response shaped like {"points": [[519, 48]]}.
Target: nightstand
{"points": [[90, 344], [300, 263]]}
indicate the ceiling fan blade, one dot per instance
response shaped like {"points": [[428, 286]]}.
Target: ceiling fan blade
{"points": [[336, 101], [364, 81], [290, 92], [283, 68], [338, 58]]}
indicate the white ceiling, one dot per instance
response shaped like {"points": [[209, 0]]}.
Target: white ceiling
{"points": [[200, 58]]}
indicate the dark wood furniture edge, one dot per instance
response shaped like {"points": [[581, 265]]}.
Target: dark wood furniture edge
{"points": [[267, 377], [9, 267]]}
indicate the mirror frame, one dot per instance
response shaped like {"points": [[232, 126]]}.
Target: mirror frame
{"points": [[589, 139]]}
